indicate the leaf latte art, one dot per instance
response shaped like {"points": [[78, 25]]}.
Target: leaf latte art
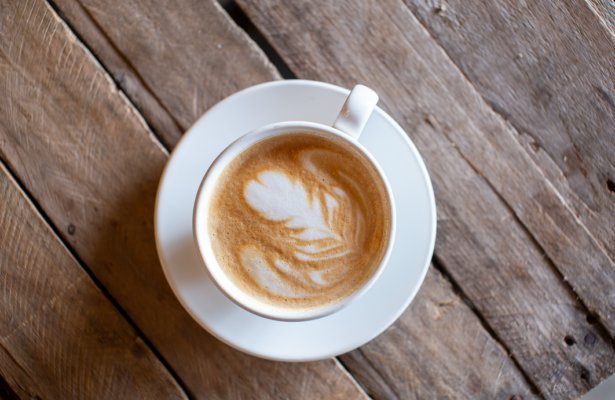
{"points": [[299, 221]]}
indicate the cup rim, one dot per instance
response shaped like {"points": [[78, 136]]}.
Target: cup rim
{"points": [[201, 237]]}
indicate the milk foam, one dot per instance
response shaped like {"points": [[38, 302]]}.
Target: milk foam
{"points": [[281, 198], [299, 223], [278, 198]]}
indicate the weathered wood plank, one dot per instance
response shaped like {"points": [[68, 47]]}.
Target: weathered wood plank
{"points": [[471, 153], [173, 62], [571, 237], [606, 10], [437, 347], [509, 374], [556, 87], [59, 337], [126, 77], [90, 161]]}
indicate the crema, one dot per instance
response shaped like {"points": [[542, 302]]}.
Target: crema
{"points": [[299, 220]]}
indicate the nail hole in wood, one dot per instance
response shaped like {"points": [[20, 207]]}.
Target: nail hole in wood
{"points": [[71, 229], [610, 185], [535, 147], [585, 375], [439, 8], [569, 340]]}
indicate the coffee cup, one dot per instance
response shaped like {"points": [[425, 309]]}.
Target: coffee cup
{"points": [[295, 220]]}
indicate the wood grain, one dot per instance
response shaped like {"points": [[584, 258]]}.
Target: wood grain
{"points": [[173, 62], [437, 347], [578, 237], [124, 74], [59, 337], [509, 375], [89, 160], [606, 10], [480, 172], [556, 87]]}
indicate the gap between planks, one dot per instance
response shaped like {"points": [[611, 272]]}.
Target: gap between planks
{"points": [[156, 139], [600, 325], [155, 135], [351, 377], [392, 392], [6, 391], [607, 19], [439, 265], [244, 23], [516, 129], [45, 218]]}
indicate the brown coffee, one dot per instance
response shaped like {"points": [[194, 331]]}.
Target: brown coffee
{"points": [[299, 220]]}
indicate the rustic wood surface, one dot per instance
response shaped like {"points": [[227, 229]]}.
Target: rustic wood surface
{"points": [[201, 55], [470, 152], [59, 336], [427, 353], [520, 149], [424, 338], [606, 10], [88, 159], [564, 122]]}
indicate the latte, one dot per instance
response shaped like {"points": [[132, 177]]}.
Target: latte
{"points": [[299, 220]]}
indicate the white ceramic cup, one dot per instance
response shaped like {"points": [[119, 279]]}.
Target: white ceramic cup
{"points": [[351, 120]]}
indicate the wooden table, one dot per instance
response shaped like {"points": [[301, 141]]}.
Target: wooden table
{"points": [[512, 105]]}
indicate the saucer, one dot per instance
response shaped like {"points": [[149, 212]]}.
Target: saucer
{"points": [[357, 323]]}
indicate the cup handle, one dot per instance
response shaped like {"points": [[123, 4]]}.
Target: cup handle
{"points": [[356, 110]]}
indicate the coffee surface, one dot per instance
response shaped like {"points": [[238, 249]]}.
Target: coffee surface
{"points": [[299, 221]]}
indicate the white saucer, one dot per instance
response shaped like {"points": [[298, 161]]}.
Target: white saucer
{"points": [[340, 332]]}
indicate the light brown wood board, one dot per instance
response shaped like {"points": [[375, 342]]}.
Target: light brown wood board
{"points": [[88, 158], [59, 336]]}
